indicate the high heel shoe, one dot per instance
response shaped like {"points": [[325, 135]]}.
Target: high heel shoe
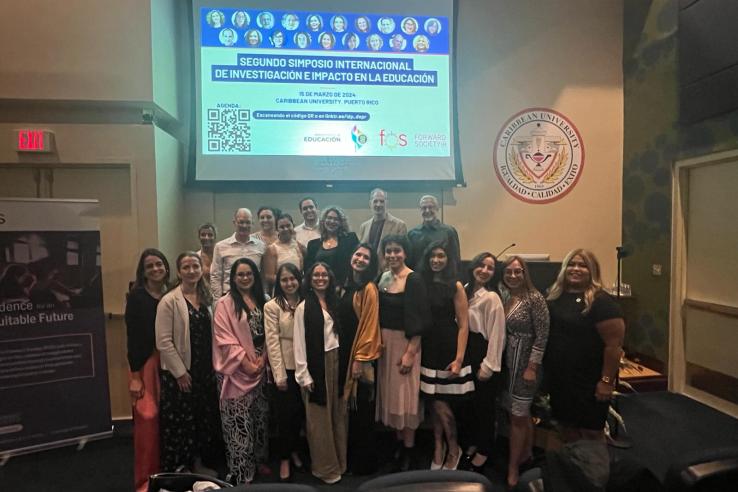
{"points": [[459, 453], [437, 466]]}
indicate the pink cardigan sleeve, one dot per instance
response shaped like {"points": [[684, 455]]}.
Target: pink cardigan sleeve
{"points": [[228, 348]]}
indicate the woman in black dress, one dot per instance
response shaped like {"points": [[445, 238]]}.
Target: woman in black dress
{"points": [[446, 376], [358, 312], [335, 244], [189, 417], [583, 355]]}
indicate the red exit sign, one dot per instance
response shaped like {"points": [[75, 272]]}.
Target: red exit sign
{"points": [[31, 140]]}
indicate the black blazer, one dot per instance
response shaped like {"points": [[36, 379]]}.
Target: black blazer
{"points": [[339, 262]]}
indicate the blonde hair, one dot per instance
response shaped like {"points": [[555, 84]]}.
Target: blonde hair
{"points": [[595, 281]]}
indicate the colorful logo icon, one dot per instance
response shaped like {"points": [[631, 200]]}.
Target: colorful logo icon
{"points": [[358, 137]]}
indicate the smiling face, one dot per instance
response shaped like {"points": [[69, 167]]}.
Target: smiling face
{"points": [[326, 41], [288, 282], [285, 230], [240, 18], [154, 269], [302, 40], [397, 42], [308, 210], [375, 42], [428, 210], [244, 278], [314, 23], [386, 25], [409, 26], [438, 260], [207, 238], [228, 37], [578, 276], [319, 279], [513, 276], [421, 43], [242, 223], [278, 39], [266, 220], [339, 24], [189, 270], [394, 255], [332, 221], [378, 203], [360, 259], [484, 272], [352, 42], [362, 24], [252, 38]]}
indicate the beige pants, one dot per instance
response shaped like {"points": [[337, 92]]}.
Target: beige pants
{"points": [[327, 426]]}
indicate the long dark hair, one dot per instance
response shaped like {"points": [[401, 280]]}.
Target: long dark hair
{"points": [[331, 298], [275, 213], [257, 289], [343, 225], [371, 271], [140, 281], [203, 289], [279, 295], [476, 262], [445, 276]]}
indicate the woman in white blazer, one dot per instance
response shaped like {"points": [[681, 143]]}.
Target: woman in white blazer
{"points": [[189, 416]]}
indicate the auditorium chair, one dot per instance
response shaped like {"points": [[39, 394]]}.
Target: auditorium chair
{"points": [[704, 471], [181, 482], [428, 481]]}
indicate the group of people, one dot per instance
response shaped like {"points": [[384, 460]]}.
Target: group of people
{"points": [[350, 330], [329, 34]]}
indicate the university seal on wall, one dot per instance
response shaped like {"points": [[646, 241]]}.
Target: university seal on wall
{"points": [[538, 155]]}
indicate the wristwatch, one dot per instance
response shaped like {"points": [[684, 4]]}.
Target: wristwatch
{"points": [[606, 379]]}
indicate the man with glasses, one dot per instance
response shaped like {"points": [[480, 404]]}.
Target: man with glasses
{"points": [[430, 231], [227, 251]]}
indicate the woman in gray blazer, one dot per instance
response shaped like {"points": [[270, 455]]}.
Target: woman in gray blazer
{"points": [[188, 411]]}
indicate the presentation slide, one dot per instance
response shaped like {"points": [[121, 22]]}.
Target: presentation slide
{"points": [[325, 95]]}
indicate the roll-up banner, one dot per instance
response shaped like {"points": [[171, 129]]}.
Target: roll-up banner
{"points": [[53, 364]]}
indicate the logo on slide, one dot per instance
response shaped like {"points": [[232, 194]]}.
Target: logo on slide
{"points": [[358, 137], [391, 139], [538, 155]]}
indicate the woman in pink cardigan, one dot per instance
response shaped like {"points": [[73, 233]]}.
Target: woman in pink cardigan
{"points": [[239, 359]]}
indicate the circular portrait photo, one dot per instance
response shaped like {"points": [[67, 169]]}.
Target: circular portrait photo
{"points": [[374, 42], [215, 18], [240, 19], [397, 42], [326, 40], [265, 20], [432, 26], [350, 41], [277, 39], [228, 37], [253, 38], [421, 43], [302, 40], [409, 26], [290, 22], [363, 24], [314, 23], [338, 23], [386, 25]]}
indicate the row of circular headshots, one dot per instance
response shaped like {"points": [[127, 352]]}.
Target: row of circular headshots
{"points": [[325, 40], [241, 19]]}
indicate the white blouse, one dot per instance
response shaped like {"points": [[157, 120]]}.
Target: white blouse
{"points": [[487, 317], [330, 341]]}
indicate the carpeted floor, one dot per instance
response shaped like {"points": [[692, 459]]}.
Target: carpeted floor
{"points": [[662, 426]]}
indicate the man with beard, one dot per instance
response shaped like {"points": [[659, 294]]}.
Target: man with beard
{"points": [[207, 234], [430, 231], [382, 224], [309, 229]]}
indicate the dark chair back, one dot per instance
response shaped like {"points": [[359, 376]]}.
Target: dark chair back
{"points": [[181, 482], [704, 471], [429, 481]]}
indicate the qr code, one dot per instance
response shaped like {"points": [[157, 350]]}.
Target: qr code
{"points": [[229, 130]]}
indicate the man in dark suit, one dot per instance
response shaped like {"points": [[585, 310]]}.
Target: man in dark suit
{"points": [[430, 231]]}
